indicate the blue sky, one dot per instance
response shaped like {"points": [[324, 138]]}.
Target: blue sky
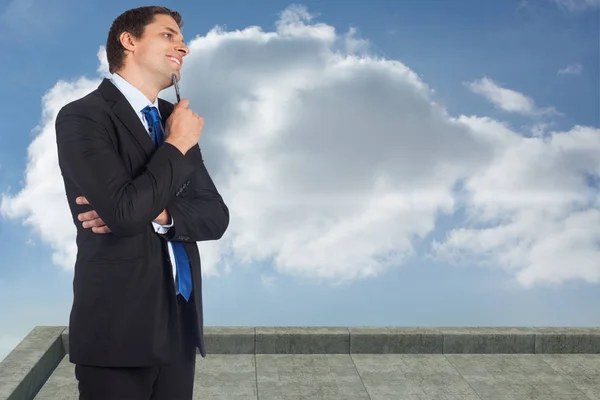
{"points": [[313, 241]]}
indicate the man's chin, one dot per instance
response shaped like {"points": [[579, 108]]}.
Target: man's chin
{"points": [[167, 79]]}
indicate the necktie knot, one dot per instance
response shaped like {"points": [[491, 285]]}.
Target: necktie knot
{"points": [[151, 114]]}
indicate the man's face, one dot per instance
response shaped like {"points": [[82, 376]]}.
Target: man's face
{"points": [[160, 50]]}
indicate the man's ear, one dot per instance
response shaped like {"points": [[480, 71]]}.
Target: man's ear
{"points": [[127, 41]]}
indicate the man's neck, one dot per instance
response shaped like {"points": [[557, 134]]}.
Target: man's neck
{"points": [[140, 83]]}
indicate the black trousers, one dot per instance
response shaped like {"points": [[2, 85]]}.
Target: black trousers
{"points": [[168, 382]]}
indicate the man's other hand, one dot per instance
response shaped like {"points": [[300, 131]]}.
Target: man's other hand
{"points": [[163, 218], [91, 219]]}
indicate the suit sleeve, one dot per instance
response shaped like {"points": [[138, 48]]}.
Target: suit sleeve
{"points": [[87, 156], [201, 215]]}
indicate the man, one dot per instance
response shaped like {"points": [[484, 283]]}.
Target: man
{"points": [[141, 198]]}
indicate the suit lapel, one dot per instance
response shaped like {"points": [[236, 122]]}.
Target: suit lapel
{"points": [[127, 115]]}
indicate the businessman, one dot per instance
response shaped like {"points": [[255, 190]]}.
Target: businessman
{"points": [[140, 197]]}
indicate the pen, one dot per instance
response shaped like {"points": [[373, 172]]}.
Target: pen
{"points": [[176, 84]]}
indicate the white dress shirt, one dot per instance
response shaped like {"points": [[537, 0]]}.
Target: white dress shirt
{"points": [[138, 101]]}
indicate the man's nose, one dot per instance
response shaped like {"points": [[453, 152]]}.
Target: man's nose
{"points": [[183, 49]]}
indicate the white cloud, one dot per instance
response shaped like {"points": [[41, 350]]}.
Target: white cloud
{"points": [[102, 69], [507, 99], [41, 203], [333, 164], [577, 5], [572, 69], [531, 210]]}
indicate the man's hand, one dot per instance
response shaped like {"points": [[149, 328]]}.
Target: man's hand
{"points": [[183, 127], [91, 219], [164, 218]]}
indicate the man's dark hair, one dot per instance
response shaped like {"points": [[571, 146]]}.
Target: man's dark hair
{"points": [[133, 21]]}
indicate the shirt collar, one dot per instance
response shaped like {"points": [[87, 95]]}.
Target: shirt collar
{"points": [[135, 97]]}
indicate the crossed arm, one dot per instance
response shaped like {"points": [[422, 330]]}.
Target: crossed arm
{"points": [[201, 215], [125, 206], [91, 219]]}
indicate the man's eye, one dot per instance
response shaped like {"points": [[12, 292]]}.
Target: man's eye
{"points": [[167, 34]]}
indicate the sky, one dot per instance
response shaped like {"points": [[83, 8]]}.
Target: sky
{"points": [[385, 163]]}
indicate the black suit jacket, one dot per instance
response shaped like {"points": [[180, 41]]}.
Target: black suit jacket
{"points": [[124, 309]]}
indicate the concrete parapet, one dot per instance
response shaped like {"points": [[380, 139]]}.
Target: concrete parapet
{"points": [[402, 340], [25, 369], [397, 340]]}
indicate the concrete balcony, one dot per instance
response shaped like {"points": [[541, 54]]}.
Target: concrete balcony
{"points": [[350, 363]]}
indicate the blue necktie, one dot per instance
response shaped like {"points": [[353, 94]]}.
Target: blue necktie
{"points": [[182, 263]]}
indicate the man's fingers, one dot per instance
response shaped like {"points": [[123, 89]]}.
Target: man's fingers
{"points": [[91, 219], [93, 223], [101, 229], [183, 103], [81, 200], [87, 216]]}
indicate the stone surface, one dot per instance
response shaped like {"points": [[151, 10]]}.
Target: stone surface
{"points": [[484, 340], [302, 340], [411, 376], [308, 376], [509, 376], [62, 384], [391, 340], [229, 340], [379, 377], [65, 339], [225, 376], [445, 363], [26, 368], [567, 341]]}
